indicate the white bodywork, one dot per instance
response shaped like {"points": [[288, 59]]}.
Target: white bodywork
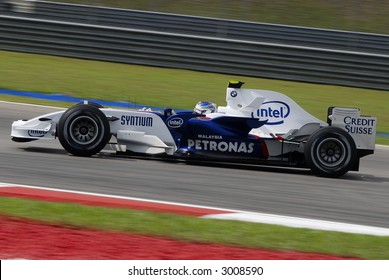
{"points": [[361, 128], [139, 131], [37, 128], [282, 113], [288, 120]]}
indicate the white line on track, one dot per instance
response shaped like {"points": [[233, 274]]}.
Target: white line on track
{"points": [[238, 215], [296, 222], [32, 105], [382, 147]]}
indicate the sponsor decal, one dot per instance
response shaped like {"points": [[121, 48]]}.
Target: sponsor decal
{"points": [[359, 125], [36, 133], [233, 93], [136, 121], [214, 146], [175, 122], [203, 136], [274, 111]]}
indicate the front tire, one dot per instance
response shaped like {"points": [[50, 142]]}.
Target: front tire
{"points": [[330, 152], [83, 130]]}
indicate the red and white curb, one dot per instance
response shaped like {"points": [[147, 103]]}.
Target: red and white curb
{"points": [[94, 199]]}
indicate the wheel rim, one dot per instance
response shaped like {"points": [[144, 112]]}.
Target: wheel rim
{"points": [[83, 130], [331, 152]]}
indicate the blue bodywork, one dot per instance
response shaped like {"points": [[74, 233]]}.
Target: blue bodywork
{"points": [[223, 136]]}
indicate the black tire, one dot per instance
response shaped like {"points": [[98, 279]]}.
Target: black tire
{"points": [[330, 152], [90, 103], [83, 130]]}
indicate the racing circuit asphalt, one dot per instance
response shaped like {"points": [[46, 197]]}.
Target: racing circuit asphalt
{"points": [[358, 197]]}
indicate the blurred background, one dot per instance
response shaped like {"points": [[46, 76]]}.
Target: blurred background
{"points": [[353, 15]]}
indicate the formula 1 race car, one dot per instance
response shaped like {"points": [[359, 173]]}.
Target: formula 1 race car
{"points": [[256, 126]]}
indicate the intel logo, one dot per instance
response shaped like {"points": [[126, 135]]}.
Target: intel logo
{"points": [[175, 122], [274, 111], [36, 133]]}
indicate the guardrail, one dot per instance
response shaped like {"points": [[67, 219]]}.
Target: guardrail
{"points": [[210, 27], [204, 53]]}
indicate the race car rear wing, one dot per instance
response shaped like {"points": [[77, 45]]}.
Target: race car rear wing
{"points": [[361, 128]]}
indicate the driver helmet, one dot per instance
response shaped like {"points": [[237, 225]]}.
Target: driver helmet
{"points": [[205, 107]]}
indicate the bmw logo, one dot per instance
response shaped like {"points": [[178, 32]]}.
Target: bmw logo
{"points": [[233, 93]]}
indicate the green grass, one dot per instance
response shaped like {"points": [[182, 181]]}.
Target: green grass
{"points": [[193, 229], [356, 15], [169, 87]]}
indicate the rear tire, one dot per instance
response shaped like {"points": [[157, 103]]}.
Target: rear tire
{"points": [[83, 130], [330, 152]]}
